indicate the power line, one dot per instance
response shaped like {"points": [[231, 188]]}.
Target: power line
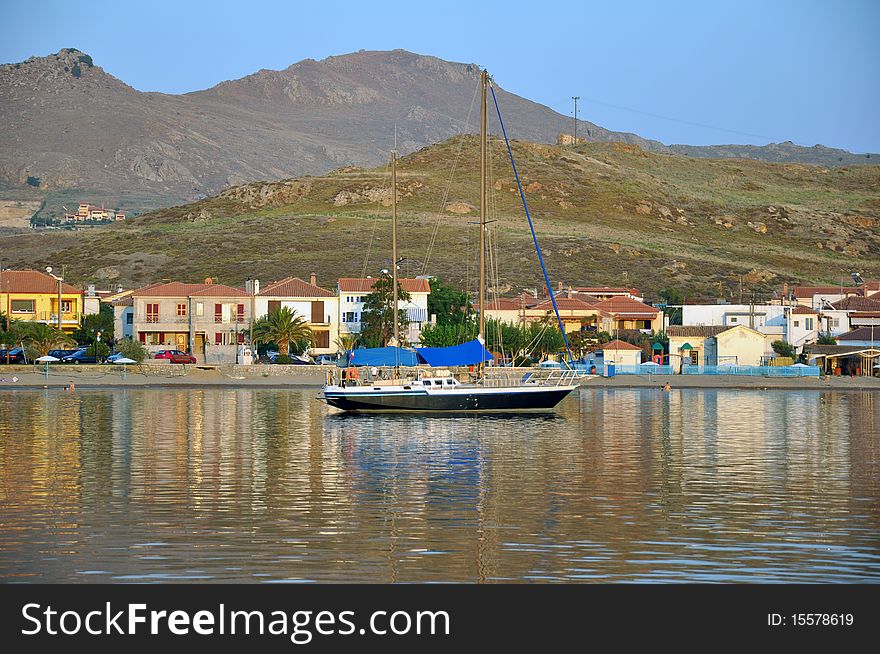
{"points": [[695, 124]]}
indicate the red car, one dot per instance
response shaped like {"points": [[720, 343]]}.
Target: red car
{"points": [[175, 356]]}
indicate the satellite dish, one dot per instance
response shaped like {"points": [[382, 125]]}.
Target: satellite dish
{"points": [[49, 269]]}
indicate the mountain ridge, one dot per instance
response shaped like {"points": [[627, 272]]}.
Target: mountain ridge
{"points": [[71, 127]]}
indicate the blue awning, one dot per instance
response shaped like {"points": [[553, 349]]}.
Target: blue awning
{"points": [[466, 354], [382, 356]]}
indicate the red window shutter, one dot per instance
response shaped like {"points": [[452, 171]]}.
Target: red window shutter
{"points": [[240, 313], [218, 309], [142, 337], [218, 338], [241, 338]]}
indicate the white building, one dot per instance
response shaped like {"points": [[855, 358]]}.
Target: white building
{"points": [[798, 325], [318, 306], [354, 290]]}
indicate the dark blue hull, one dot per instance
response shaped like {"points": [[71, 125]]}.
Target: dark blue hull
{"points": [[533, 400]]}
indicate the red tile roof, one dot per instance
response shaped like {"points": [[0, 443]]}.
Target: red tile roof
{"points": [[857, 303], [365, 285], [701, 331], [801, 309], [565, 304], [862, 334], [294, 287], [623, 304], [810, 291], [32, 281], [179, 289], [504, 304], [617, 344]]}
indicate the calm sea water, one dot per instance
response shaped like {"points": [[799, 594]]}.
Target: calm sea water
{"points": [[259, 485]]}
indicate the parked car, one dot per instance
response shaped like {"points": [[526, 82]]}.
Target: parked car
{"points": [[79, 356], [175, 356], [326, 359], [113, 357], [15, 356], [60, 354]]}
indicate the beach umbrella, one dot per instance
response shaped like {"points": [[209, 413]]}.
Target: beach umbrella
{"points": [[124, 361], [800, 365], [649, 363], [657, 347], [686, 346], [47, 360]]}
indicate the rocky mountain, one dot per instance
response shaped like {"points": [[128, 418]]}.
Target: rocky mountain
{"points": [[68, 124]]}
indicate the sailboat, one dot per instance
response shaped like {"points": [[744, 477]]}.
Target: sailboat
{"points": [[438, 390]]}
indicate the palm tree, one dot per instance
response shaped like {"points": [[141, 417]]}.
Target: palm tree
{"points": [[282, 327], [42, 337], [346, 342]]}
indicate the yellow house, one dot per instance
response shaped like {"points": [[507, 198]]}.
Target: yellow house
{"points": [[34, 296]]}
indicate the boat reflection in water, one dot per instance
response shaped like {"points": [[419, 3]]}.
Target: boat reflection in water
{"points": [[251, 485]]}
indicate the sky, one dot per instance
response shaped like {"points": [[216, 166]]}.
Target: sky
{"points": [[697, 73]]}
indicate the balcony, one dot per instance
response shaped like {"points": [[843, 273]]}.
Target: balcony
{"points": [[152, 318], [49, 317]]}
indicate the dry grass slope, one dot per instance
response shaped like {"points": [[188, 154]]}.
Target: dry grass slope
{"points": [[606, 213]]}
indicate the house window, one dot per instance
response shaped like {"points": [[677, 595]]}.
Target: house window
{"points": [[695, 357], [65, 306], [797, 323], [218, 313], [350, 316], [322, 339], [22, 306], [218, 338], [808, 323], [181, 309], [239, 314], [152, 313], [200, 309], [129, 319]]}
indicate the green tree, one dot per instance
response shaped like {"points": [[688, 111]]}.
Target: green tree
{"points": [[131, 349], [346, 342], [783, 349], [284, 328], [451, 305], [826, 339], [87, 332], [377, 323]]}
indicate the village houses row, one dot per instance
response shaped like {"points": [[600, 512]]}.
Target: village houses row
{"points": [[212, 320]]}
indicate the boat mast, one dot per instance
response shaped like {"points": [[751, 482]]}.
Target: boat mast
{"points": [[394, 248], [484, 79]]}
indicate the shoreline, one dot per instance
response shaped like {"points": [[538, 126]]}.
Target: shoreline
{"points": [[266, 376]]}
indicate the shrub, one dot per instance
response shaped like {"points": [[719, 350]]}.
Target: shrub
{"points": [[103, 349], [86, 59], [783, 349], [33, 181], [76, 71], [132, 349], [283, 358]]}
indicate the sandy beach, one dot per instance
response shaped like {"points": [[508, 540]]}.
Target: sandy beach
{"points": [[159, 375]]}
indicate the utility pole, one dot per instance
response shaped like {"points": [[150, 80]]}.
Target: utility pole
{"points": [[575, 98]]}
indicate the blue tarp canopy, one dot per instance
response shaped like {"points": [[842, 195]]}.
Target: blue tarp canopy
{"points": [[466, 354], [382, 356]]}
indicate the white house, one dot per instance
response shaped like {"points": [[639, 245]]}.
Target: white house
{"points": [[318, 306], [798, 325], [354, 290]]}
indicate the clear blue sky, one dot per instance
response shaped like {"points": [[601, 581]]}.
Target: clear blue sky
{"points": [[740, 71]]}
